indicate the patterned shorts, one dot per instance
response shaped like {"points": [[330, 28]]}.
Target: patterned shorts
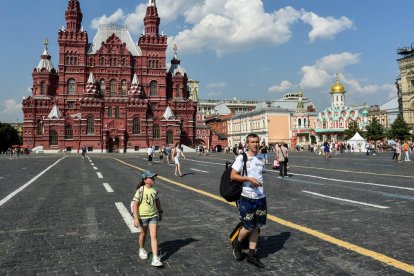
{"points": [[253, 212]]}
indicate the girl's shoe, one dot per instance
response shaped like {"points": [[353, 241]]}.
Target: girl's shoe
{"points": [[143, 254], [156, 261]]}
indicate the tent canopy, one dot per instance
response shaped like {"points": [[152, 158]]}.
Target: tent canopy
{"points": [[357, 137]]}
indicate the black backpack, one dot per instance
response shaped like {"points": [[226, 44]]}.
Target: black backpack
{"points": [[229, 189]]}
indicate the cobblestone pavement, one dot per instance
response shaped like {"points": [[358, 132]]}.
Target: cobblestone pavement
{"points": [[347, 215]]}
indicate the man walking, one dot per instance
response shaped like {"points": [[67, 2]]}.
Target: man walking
{"points": [[252, 203], [282, 157]]}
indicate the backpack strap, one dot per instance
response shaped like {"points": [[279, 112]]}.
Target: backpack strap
{"points": [[244, 172], [140, 194]]}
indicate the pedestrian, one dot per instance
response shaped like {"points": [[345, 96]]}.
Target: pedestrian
{"points": [[147, 213], [252, 203], [177, 153], [405, 149], [263, 151], [398, 150], [161, 154], [83, 151], [168, 152], [150, 153], [282, 157]]}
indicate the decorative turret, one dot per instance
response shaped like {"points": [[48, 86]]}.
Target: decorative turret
{"points": [[91, 88], [177, 77], [135, 87], [338, 93], [300, 108], [73, 16], [45, 77], [151, 19]]}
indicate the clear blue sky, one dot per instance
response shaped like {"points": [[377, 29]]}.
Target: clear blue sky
{"points": [[249, 49]]}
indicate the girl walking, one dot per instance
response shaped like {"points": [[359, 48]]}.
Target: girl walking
{"points": [[177, 153], [147, 212]]}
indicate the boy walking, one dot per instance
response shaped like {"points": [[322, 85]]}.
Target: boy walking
{"points": [[252, 203]]}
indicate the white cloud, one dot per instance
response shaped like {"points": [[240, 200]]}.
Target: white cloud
{"points": [[227, 26], [11, 111], [325, 27], [282, 87], [215, 85], [113, 18], [213, 94]]}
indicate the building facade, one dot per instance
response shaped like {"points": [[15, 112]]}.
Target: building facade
{"points": [[110, 93], [332, 121], [405, 84]]}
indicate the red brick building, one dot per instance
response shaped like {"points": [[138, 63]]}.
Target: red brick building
{"points": [[109, 93]]}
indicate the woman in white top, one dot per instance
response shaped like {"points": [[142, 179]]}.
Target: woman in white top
{"points": [[177, 153]]}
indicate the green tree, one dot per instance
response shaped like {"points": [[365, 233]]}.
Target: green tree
{"points": [[8, 137], [374, 130], [352, 129], [399, 129]]}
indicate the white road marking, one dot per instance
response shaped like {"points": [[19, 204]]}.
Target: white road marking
{"points": [[126, 215], [92, 164], [108, 187], [11, 195], [198, 170], [99, 175], [355, 182], [92, 228], [319, 177], [95, 168], [347, 200]]}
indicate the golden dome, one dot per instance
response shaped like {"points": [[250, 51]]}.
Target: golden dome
{"points": [[337, 87]]}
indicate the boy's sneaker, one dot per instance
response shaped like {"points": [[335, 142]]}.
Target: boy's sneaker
{"points": [[143, 254], [156, 261], [255, 261], [238, 254]]}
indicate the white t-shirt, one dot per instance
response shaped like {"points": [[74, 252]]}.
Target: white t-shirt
{"points": [[255, 167], [149, 151]]}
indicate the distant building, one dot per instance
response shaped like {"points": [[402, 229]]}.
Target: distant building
{"points": [[333, 121], [381, 115], [110, 93], [303, 123], [290, 101], [405, 84], [192, 87], [211, 107], [391, 107]]}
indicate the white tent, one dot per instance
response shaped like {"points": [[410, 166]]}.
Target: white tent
{"points": [[357, 143]]}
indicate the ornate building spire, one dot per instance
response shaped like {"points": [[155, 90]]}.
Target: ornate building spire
{"points": [[73, 16], [151, 19]]}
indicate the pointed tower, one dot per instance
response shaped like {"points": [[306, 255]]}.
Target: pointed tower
{"points": [[72, 52], [300, 107], [45, 77], [73, 16], [338, 93], [177, 79], [153, 46]]}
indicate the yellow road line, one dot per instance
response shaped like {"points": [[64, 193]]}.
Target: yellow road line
{"points": [[366, 252], [337, 170]]}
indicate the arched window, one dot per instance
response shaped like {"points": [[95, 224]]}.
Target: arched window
{"points": [[42, 88], [123, 87], [123, 61], [116, 112], [155, 131], [170, 137], [90, 128], [91, 61], [102, 61], [110, 112], [53, 138], [304, 122], [177, 91], [75, 61], [299, 122], [114, 87], [102, 86], [71, 87], [39, 127], [67, 60], [68, 132], [153, 88], [135, 126]]}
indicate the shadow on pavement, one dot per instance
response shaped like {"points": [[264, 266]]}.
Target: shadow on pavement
{"points": [[271, 244], [170, 247]]}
